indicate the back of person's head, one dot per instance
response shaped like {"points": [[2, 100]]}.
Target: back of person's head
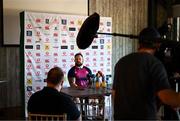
{"points": [[148, 37], [55, 75]]}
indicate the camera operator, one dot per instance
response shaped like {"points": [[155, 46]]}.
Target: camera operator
{"points": [[139, 80], [168, 54]]}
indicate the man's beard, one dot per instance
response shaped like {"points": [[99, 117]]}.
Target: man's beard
{"points": [[78, 64]]}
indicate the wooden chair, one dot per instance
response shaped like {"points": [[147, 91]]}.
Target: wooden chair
{"points": [[46, 117]]}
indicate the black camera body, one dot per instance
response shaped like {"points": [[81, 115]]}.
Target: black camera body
{"points": [[169, 54]]}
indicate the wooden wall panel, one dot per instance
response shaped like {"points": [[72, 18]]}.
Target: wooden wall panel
{"points": [[128, 17], [9, 69]]}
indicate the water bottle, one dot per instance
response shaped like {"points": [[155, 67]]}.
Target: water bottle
{"points": [[97, 82], [103, 84], [107, 82]]}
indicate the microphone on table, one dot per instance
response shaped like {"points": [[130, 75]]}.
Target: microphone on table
{"points": [[91, 78]]}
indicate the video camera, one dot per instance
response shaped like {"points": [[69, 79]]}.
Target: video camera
{"points": [[169, 54]]}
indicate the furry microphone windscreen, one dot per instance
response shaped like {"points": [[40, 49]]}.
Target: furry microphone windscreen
{"points": [[88, 31]]}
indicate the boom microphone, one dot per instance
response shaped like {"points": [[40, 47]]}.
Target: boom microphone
{"points": [[88, 31]]}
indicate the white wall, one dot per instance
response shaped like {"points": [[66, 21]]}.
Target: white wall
{"points": [[12, 8]]}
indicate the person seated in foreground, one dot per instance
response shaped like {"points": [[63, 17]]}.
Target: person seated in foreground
{"points": [[50, 100]]}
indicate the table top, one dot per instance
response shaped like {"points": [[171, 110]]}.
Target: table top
{"points": [[88, 92]]}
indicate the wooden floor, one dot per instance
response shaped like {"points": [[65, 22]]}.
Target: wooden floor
{"points": [[16, 113], [11, 113]]}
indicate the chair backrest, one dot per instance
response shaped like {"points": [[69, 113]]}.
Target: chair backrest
{"points": [[46, 117]]}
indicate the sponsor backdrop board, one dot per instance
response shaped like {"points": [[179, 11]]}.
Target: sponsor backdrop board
{"points": [[49, 40]]}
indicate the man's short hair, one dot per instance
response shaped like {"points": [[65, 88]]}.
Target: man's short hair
{"points": [[78, 54], [55, 75], [148, 37]]}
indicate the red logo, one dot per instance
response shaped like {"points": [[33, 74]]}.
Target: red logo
{"points": [[46, 60], [71, 54], [87, 59], [64, 60], [38, 54], [29, 26], [64, 28], [38, 33], [47, 39], [94, 71], [38, 73], [47, 66], [38, 20], [47, 54], [29, 40], [29, 66], [108, 30], [71, 34], [38, 66], [56, 21], [29, 54], [87, 65], [108, 63], [55, 34], [87, 53], [64, 41], [102, 58], [72, 22], [38, 60], [64, 54], [29, 74], [55, 54], [101, 53], [95, 64], [94, 53], [46, 27], [55, 60], [29, 61]]}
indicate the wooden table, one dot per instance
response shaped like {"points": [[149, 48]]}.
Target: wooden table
{"points": [[86, 94]]}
